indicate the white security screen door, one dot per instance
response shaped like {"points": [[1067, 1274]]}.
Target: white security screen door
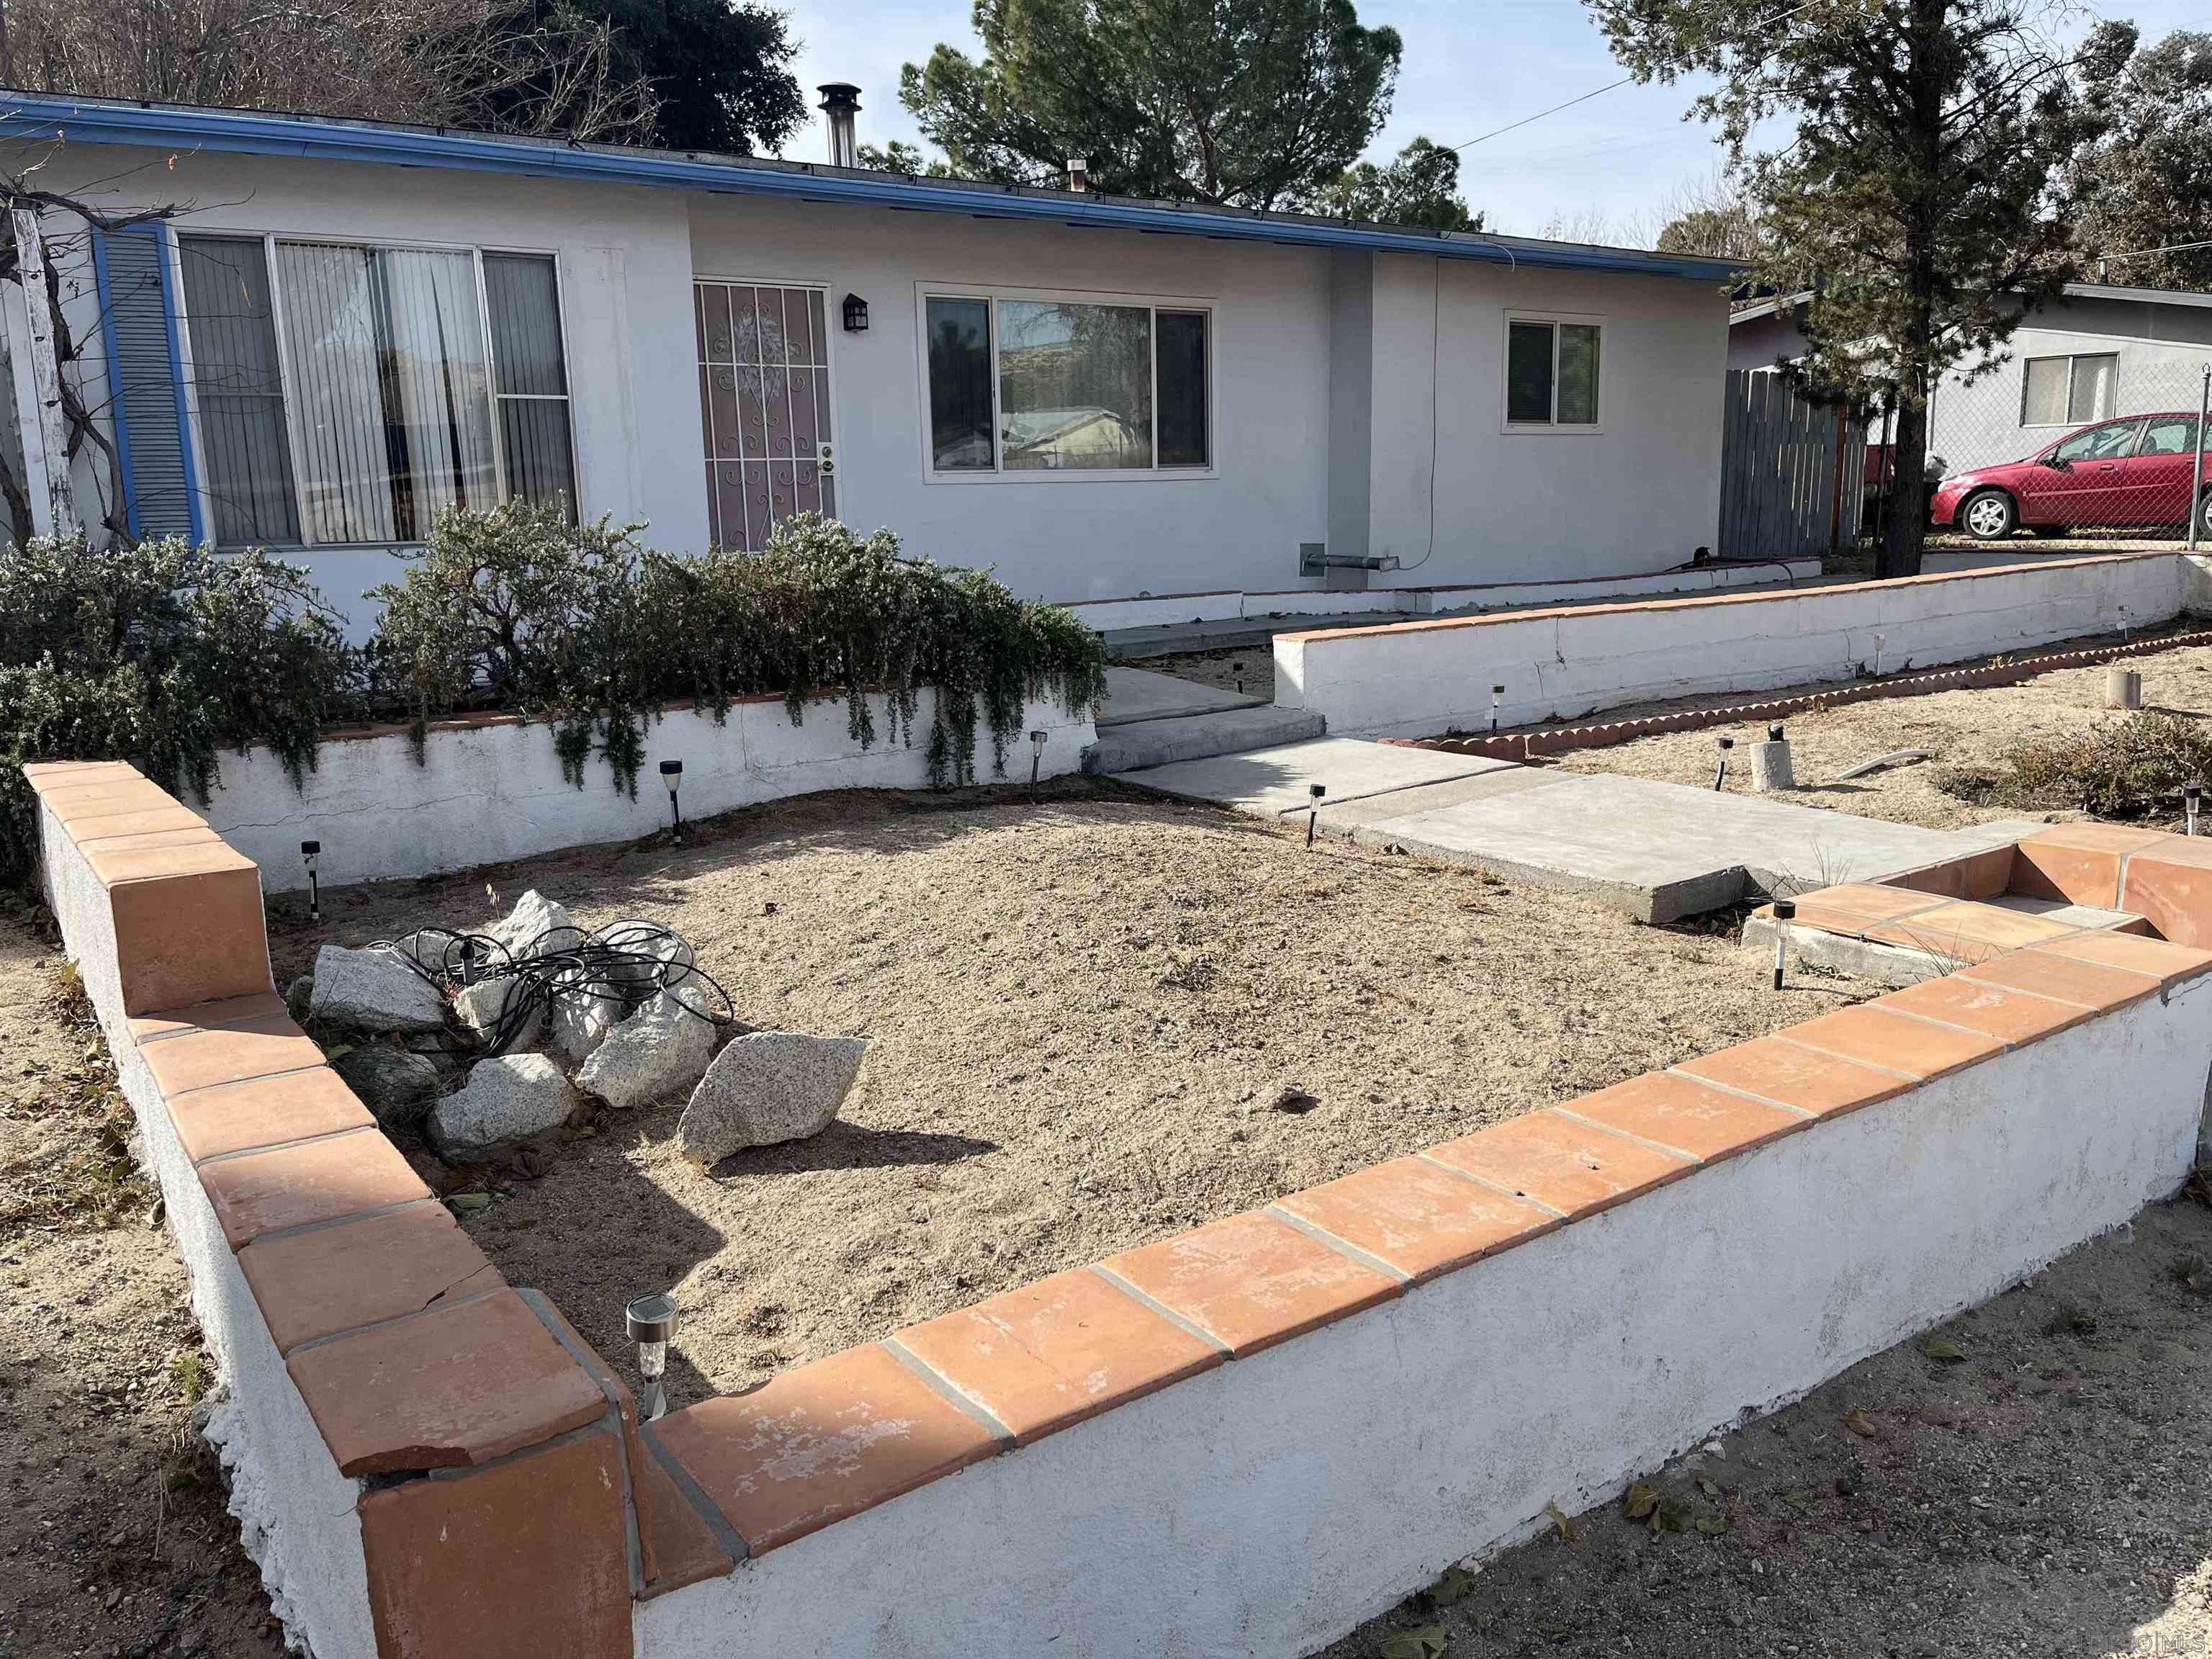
{"points": [[764, 406]]}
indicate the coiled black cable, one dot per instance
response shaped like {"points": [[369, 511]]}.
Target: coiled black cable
{"points": [[626, 964]]}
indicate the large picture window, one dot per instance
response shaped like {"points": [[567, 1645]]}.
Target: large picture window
{"points": [[1025, 386], [349, 393], [1552, 372]]}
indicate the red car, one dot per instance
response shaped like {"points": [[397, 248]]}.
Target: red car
{"points": [[2133, 470]]}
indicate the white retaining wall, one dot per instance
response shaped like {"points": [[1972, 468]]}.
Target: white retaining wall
{"points": [[297, 1514], [1273, 1503], [495, 792], [1418, 680]]}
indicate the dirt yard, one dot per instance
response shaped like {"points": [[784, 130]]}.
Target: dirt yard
{"points": [[2043, 1495], [1082, 1010], [1959, 728], [112, 1535]]}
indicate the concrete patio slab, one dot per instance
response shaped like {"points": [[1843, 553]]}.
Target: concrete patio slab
{"points": [[1138, 694], [1662, 851], [1265, 783]]}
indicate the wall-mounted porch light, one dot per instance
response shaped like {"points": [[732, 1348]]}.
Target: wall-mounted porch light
{"points": [[651, 1321], [311, 853], [856, 314], [672, 780]]}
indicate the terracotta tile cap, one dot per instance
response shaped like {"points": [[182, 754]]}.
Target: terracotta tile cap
{"points": [[672, 1536], [44, 774], [103, 820], [1874, 1035], [2172, 888], [322, 1280], [265, 1111], [2067, 873], [1970, 931], [180, 939], [1823, 1084], [2011, 1016], [2131, 953], [1418, 1217], [2047, 974], [325, 1180], [249, 1010], [529, 1557], [1862, 902], [458, 1384], [114, 791], [128, 858], [820, 1443], [1050, 1355], [1250, 1281], [1577, 1169], [2102, 837], [147, 840], [1684, 1115], [201, 1059]]}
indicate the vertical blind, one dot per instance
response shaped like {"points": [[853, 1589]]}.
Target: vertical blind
{"points": [[395, 410]]}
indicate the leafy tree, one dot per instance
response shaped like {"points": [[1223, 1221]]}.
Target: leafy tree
{"points": [[1716, 220], [2147, 182], [1245, 102], [718, 68], [1930, 136], [899, 156], [1421, 187]]}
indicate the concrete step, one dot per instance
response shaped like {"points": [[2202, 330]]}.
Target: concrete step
{"points": [[1196, 736]]}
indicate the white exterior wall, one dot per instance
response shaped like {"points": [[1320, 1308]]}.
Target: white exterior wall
{"points": [[489, 794], [1273, 1503], [1419, 680], [1640, 495], [1321, 369]]}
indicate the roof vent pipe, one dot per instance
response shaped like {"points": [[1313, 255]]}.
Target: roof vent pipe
{"points": [[1079, 174], [840, 105]]}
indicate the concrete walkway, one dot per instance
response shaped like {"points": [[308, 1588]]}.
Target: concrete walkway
{"points": [[1659, 851], [1153, 719]]}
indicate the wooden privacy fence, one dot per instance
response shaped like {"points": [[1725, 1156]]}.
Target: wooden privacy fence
{"points": [[1779, 486]]}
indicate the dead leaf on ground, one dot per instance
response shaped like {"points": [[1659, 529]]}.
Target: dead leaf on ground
{"points": [[1455, 1587], [1427, 1643], [1942, 1348], [1860, 1425], [1639, 1502], [1564, 1525]]}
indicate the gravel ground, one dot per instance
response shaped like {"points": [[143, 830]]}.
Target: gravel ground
{"points": [[112, 1535], [2049, 1494], [1959, 728], [1081, 1009]]}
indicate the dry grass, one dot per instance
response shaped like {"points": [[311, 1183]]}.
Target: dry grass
{"points": [[73, 1166]]}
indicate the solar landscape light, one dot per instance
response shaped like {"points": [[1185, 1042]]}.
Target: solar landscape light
{"points": [[1774, 734], [1496, 692], [311, 853], [1237, 668], [1721, 776], [672, 779], [1313, 793], [1785, 912], [651, 1321], [1036, 754], [2192, 797]]}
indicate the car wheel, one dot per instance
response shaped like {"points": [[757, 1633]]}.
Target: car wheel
{"points": [[2204, 517], [1989, 516]]}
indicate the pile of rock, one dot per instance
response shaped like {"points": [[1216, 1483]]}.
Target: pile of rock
{"points": [[417, 1057]]}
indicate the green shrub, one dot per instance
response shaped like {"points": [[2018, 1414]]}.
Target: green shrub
{"points": [[2130, 769], [582, 629], [162, 656]]}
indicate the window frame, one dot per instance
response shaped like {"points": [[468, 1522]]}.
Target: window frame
{"points": [[1507, 425], [990, 295], [268, 240], [2072, 360]]}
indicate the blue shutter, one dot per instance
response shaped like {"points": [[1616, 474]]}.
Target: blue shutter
{"points": [[139, 316]]}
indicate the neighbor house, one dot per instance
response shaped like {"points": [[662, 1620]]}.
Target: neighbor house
{"points": [[349, 326], [2093, 354]]}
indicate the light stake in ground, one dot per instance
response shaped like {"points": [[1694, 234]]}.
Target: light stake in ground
{"points": [[1036, 755], [1313, 793], [311, 853], [2192, 798], [671, 778], [1785, 911], [651, 1321], [1720, 776], [1496, 692]]}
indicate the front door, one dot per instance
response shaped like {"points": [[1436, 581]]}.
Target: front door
{"points": [[2085, 487], [763, 408], [2158, 474]]}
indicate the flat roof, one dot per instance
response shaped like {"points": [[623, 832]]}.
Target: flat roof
{"points": [[28, 117]]}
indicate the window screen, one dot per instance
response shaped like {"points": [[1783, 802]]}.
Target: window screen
{"points": [[960, 385], [1577, 375], [1529, 372], [1184, 439], [2091, 396], [239, 390], [530, 379]]}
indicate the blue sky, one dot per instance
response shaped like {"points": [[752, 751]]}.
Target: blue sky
{"points": [[1619, 158]]}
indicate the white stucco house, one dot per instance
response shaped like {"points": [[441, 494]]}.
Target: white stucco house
{"points": [[350, 325]]}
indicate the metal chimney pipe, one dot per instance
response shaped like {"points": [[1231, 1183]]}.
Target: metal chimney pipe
{"points": [[1079, 174], [840, 105]]}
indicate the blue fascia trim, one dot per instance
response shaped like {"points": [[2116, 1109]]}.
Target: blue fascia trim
{"points": [[114, 366], [26, 117], [165, 239]]}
